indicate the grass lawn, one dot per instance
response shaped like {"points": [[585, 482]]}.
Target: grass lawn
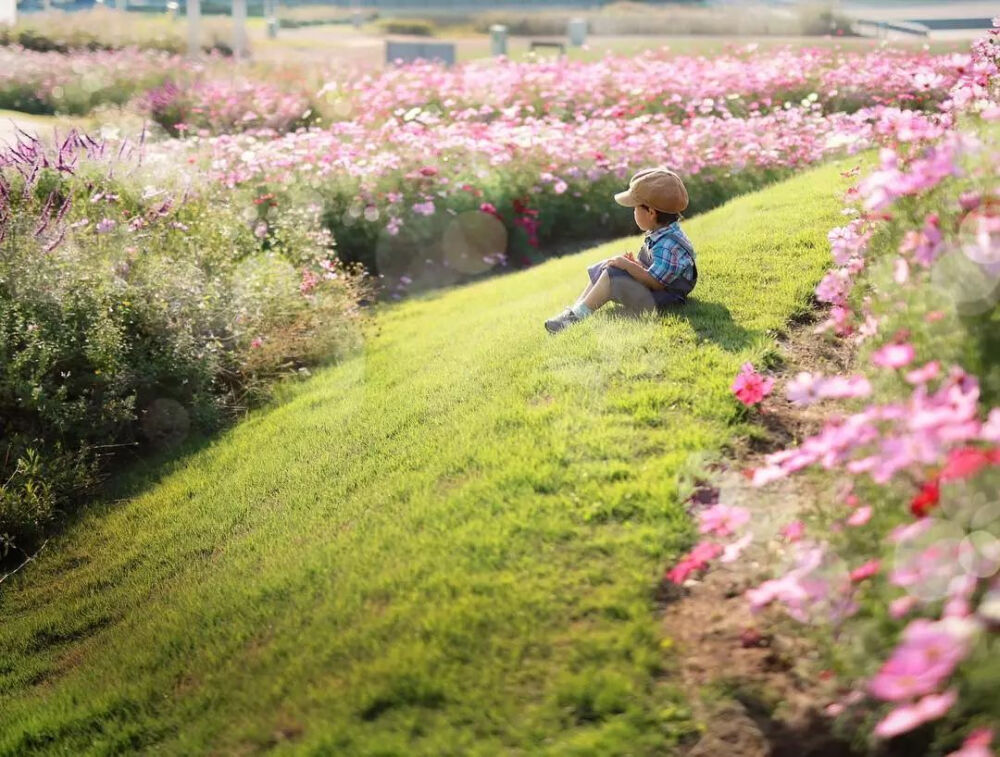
{"points": [[448, 545]]}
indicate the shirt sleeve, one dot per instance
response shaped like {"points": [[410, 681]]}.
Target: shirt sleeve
{"points": [[666, 266]]}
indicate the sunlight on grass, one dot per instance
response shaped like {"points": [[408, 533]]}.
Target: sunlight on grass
{"points": [[449, 544]]}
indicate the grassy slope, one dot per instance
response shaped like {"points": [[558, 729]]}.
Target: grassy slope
{"points": [[449, 545]]}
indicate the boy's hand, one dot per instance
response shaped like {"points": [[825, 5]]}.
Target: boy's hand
{"points": [[630, 256], [621, 261]]}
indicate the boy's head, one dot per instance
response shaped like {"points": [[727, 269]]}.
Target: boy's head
{"points": [[657, 195]]}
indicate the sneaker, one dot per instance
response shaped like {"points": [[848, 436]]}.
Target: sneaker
{"points": [[561, 321]]}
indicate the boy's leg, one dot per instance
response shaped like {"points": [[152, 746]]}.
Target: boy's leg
{"points": [[595, 295], [593, 282], [599, 293]]}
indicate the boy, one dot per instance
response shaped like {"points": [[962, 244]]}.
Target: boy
{"points": [[664, 272]]}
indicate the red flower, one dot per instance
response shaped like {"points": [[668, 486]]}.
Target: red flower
{"points": [[926, 499]]}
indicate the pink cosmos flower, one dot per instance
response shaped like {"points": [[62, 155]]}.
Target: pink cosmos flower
{"points": [[902, 606], [722, 520], [794, 530], [425, 208], [731, 552], [894, 355], [922, 375], [807, 388], [990, 430], [750, 387], [860, 516], [695, 560], [927, 654], [866, 570], [901, 271], [976, 744], [910, 716]]}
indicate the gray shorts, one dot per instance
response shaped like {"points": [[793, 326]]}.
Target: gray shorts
{"points": [[635, 296]]}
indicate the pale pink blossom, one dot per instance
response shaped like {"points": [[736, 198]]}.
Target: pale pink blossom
{"points": [[977, 743], [860, 516], [894, 355], [722, 520], [909, 716]]}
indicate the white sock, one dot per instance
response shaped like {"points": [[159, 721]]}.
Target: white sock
{"points": [[581, 311]]}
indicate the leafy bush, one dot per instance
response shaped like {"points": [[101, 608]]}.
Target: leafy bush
{"points": [[626, 18], [413, 26], [132, 312], [107, 29], [293, 17]]}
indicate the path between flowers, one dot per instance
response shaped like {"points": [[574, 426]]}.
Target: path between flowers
{"points": [[760, 690], [449, 544]]}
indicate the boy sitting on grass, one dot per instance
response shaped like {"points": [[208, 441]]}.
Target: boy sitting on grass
{"points": [[664, 272]]}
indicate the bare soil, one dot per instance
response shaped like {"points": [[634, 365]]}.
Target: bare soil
{"points": [[758, 688]]}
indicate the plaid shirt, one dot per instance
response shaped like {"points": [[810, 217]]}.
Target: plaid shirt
{"points": [[667, 254]]}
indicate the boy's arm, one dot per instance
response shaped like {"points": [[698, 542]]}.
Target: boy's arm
{"points": [[637, 272]]}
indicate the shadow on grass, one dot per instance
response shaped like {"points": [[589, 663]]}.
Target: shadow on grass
{"points": [[711, 322]]}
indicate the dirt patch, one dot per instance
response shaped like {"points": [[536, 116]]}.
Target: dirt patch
{"points": [[759, 692]]}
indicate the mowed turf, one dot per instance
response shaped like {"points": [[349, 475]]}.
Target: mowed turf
{"points": [[448, 545]]}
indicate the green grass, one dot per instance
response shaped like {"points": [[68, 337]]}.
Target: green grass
{"points": [[449, 545]]}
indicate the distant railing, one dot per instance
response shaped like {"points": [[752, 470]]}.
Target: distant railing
{"points": [[881, 29]]}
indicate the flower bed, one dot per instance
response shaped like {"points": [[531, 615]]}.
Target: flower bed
{"points": [[549, 180], [46, 83], [739, 83], [543, 146], [134, 310], [226, 106], [899, 576]]}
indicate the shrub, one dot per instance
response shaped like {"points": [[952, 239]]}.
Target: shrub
{"points": [[133, 313], [413, 26], [107, 29], [627, 18]]}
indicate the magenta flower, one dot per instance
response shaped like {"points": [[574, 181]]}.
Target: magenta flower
{"points": [[105, 225], [794, 530], [750, 387]]}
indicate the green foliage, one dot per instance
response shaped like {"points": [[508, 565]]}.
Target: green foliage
{"points": [[413, 26], [403, 557], [130, 314], [107, 29]]}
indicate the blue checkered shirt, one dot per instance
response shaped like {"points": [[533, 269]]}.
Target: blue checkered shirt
{"points": [[667, 254]]}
